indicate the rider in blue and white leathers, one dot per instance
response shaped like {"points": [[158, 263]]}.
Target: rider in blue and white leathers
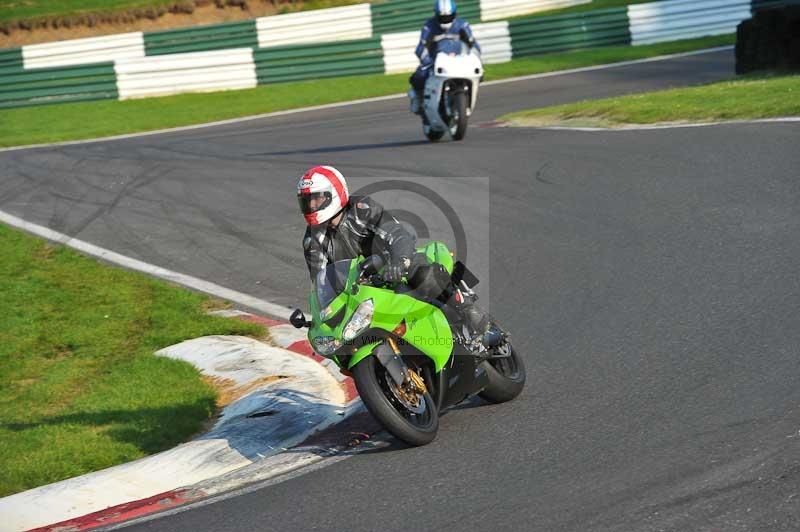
{"points": [[443, 33]]}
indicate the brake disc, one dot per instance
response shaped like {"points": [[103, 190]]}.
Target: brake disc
{"points": [[411, 399]]}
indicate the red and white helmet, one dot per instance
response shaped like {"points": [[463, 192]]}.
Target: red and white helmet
{"points": [[322, 194]]}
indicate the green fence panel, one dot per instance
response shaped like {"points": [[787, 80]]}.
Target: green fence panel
{"points": [[603, 27], [202, 38], [11, 58], [408, 15], [313, 61], [39, 86]]}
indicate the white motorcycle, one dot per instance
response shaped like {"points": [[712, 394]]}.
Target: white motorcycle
{"points": [[450, 95]]}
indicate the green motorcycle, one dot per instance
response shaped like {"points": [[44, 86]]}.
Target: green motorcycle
{"points": [[410, 354]]}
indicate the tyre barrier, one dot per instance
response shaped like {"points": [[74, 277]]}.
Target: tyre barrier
{"points": [[769, 41]]}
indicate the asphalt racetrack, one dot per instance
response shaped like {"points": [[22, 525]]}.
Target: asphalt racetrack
{"points": [[649, 278]]}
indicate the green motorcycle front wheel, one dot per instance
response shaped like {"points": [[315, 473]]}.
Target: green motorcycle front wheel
{"points": [[413, 425]]}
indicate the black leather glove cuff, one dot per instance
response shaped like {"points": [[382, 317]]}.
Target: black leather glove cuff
{"points": [[394, 272]]}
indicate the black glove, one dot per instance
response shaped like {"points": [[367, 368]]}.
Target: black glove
{"points": [[393, 273]]}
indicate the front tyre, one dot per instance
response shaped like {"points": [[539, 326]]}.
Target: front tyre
{"points": [[506, 375], [373, 384], [458, 130]]}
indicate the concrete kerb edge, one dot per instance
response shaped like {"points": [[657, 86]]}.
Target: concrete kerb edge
{"points": [[259, 472], [295, 343], [286, 336]]}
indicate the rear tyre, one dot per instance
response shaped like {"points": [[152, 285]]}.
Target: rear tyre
{"points": [[506, 376], [412, 428], [459, 128]]}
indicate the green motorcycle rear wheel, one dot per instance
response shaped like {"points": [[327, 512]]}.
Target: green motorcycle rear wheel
{"points": [[506, 376]]}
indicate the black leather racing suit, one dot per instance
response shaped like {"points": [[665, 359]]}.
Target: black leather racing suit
{"points": [[365, 229]]}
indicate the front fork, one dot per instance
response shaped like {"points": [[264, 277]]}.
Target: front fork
{"points": [[448, 93], [388, 354], [390, 357]]}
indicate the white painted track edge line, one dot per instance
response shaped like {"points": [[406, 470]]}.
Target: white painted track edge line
{"points": [[321, 463], [205, 124], [188, 281], [656, 127], [607, 66], [359, 102]]}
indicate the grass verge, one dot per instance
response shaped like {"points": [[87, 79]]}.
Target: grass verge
{"points": [[748, 98], [581, 8], [80, 388], [75, 121], [13, 10]]}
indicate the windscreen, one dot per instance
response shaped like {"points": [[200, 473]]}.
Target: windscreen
{"points": [[449, 43], [331, 281]]}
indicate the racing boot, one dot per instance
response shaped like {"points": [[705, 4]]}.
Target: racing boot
{"points": [[485, 334], [415, 98]]}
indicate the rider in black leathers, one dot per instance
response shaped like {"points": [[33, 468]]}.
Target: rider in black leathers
{"points": [[361, 228], [342, 227]]}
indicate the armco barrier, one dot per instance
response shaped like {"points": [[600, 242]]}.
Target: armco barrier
{"points": [[501, 9], [312, 61], [603, 27], [398, 48], [172, 67], [192, 72], [671, 20], [360, 21], [19, 88], [322, 25], [11, 58], [398, 51], [495, 41], [408, 15], [83, 51], [202, 38], [355, 22]]}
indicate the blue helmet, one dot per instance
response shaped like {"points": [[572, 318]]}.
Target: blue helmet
{"points": [[445, 12]]}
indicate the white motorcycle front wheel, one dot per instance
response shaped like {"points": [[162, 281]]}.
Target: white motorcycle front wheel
{"points": [[458, 127]]}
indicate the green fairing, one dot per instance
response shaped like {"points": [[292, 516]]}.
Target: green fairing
{"points": [[438, 252], [363, 352], [427, 328]]}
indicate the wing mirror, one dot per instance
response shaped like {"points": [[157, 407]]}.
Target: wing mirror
{"points": [[298, 319]]}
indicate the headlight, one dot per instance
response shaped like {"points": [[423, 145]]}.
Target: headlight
{"points": [[326, 345], [361, 319]]}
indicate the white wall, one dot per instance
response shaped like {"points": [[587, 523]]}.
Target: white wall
{"points": [[193, 72], [671, 20], [500, 9], [82, 51], [323, 25]]}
